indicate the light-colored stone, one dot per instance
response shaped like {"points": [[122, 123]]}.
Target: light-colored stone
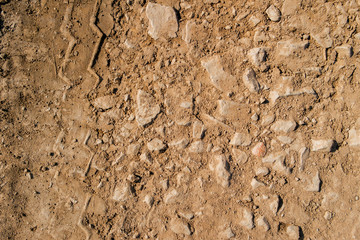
{"points": [[186, 214], [283, 126], [273, 13], [240, 157], [247, 220], [188, 33], [263, 223], [289, 47], [327, 145], [198, 130], [268, 119], [122, 192], [241, 139], [304, 154], [285, 139], [156, 145], [163, 22], [133, 149], [323, 38], [328, 215], [197, 147], [344, 51], [180, 144], [105, 102], [259, 149], [257, 56], [149, 200], [220, 167], [273, 157], [289, 7], [354, 137], [178, 226], [227, 233], [274, 205], [171, 196], [255, 184], [250, 80], [262, 171], [293, 232], [314, 184], [147, 108]]}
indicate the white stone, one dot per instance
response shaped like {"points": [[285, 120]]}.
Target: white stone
{"points": [[170, 196], [156, 145], [293, 232], [198, 130], [133, 149], [354, 137], [197, 147], [147, 109], [122, 192], [268, 119], [262, 171], [188, 34], [263, 223], [327, 215], [186, 214], [289, 7], [247, 220], [149, 200], [314, 184], [285, 139], [250, 81], [273, 157], [304, 154], [180, 144], [326, 145], [240, 156], [257, 56], [227, 234], [273, 13], [180, 227], [323, 38], [220, 167], [253, 20], [162, 21], [289, 47], [274, 205], [241, 139], [255, 184], [105, 102], [283, 126], [279, 166]]}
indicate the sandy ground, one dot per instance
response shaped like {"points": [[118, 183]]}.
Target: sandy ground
{"points": [[175, 119]]}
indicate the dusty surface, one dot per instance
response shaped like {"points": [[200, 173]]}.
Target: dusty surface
{"points": [[179, 119]]}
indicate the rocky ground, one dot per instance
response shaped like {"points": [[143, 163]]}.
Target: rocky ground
{"points": [[175, 119]]}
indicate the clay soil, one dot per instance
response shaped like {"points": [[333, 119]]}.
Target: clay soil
{"points": [[110, 132]]}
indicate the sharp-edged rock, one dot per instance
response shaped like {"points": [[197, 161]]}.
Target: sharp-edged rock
{"points": [[241, 139], [324, 145], [250, 80], [220, 167], [147, 108]]}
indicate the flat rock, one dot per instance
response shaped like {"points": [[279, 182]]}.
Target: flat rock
{"points": [[262, 171], [255, 184], [220, 167], [239, 156], [293, 232], [323, 38], [283, 126], [147, 108], [180, 144], [314, 184], [122, 192], [171, 196], [263, 223], [241, 139], [304, 154], [250, 80], [290, 47], [198, 130], [257, 56], [289, 7], [354, 137], [162, 21], [178, 226], [105, 102], [197, 147], [156, 145], [259, 149], [133, 149], [247, 220], [227, 233], [324, 145], [273, 13], [344, 51]]}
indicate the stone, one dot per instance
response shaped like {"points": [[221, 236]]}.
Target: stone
{"points": [[133, 149], [314, 184], [323, 38], [198, 130], [279, 166], [255, 184], [263, 223], [220, 167], [247, 220], [324, 145], [274, 157], [262, 171], [218, 77], [122, 192], [180, 144], [250, 81], [259, 149], [283, 126], [327, 215], [255, 117], [354, 137], [156, 145], [257, 56], [344, 51], [188, 34], [149, 200], [104, 103], [186, 214], [285, 139], [227, 233], [304, 154], [171, 196], [239, 156], [268, 119], [147, 109], [197, 147], [180, 227], [274, 205], [293, 232], [273, 13], [253, 21], [163, 22], [241, 139], [289, 7], [289, 47]]}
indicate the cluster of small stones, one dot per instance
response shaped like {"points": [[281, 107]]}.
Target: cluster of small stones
{"points": [[244, 147]]}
